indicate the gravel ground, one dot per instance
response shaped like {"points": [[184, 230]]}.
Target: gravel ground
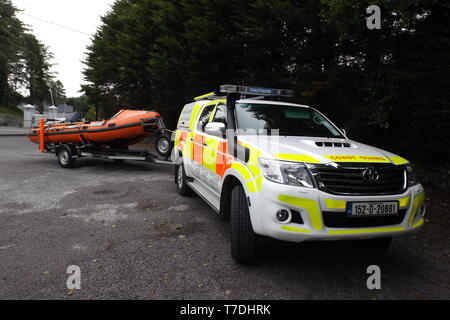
{"points": [[134, 237]]}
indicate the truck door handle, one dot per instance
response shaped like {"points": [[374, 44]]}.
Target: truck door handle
{"points": [[205, 144]]}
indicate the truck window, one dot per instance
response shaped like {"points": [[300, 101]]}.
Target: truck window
{"points": [[185, 116], [289, 120], [204, 118], [221, 114]]}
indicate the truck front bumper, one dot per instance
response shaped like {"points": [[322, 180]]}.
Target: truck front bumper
{"points": [[312, 213]]}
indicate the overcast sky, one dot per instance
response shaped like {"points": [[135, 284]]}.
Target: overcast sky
{"points": [[68, 47]]}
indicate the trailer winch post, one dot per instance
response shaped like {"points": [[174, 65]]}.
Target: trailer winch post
{"points": [[41, 135]]}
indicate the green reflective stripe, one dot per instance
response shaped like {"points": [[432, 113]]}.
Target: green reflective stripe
{"points": [[210, 153], [251, 186], [259, 183], [398, 160], [204, 96], [254, 169], [335, 204], [297, 157], [254, 156], [294, 229], [309, 205], [177, 137], [254, 153], [418, 200], [419, 223], [357, 231], [193, 115], [188, 146], [403, 202], [355, 158], [213, 113], [243, 170]]}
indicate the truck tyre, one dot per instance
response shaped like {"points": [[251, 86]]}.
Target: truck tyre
{"points": [[243, 238], [164, 145], [181, 181], [65, 157]]}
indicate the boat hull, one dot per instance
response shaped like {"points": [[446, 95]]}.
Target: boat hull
{"points": [[126, 128]]}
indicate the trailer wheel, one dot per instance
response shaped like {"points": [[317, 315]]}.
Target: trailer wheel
{"points": [[65, 158], [164, 145]]}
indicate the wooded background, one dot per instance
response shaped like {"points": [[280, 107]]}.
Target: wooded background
{"points": [[24, 65], [387, 87]]}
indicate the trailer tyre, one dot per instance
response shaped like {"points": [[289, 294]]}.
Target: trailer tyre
{"points": [[243, 238], [164, 145], [65, 157]]}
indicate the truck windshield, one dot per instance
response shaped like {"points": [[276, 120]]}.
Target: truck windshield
{"points": [[289, 120]]}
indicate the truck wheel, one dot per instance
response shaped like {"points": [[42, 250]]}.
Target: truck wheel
{"points": [[243, 239], [181, 181], [163, 145], [65, 158]]}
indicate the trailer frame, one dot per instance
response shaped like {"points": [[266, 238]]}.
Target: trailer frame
{"points": [[68, 153]]}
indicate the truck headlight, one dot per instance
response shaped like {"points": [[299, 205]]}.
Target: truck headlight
{"points": [[411, 178], [290, 173]]}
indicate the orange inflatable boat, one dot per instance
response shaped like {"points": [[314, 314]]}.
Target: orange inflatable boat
{"points": [[126, 128]]}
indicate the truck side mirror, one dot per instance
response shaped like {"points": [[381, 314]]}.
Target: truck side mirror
{"points": [[215, 129], [344, 132]]}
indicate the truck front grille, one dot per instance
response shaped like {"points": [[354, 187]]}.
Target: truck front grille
{"points": [[349, 179], [341, 220]]}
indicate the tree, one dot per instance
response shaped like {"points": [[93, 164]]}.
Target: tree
{"points": [[37, 67], [80, 104], [378, 84], [10, 31], [24, 63]]}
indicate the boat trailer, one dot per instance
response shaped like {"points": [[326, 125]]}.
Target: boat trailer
{"points": [[68, 153]]}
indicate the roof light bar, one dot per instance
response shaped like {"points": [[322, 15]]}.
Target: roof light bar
{"points": [[256, 91]]}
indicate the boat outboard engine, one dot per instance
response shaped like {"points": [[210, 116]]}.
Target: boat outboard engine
{"points": [[74, 117]]}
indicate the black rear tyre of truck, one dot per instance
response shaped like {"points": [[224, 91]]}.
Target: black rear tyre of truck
{"points": [[181, 181], [243, 238]]}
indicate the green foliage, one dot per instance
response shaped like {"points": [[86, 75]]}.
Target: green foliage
{"points": [[387, 87], [90, 114], [10, 31], [80, 104], [24, 63], [15, 112]]}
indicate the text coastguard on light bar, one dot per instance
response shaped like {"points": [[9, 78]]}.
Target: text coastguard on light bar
{"points": [[256, 91]]}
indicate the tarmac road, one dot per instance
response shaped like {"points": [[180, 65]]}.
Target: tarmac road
{"points": [[134, 237]]}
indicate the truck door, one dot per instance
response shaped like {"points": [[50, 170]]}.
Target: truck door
{"points": [[213, 151], [198, 170]]}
